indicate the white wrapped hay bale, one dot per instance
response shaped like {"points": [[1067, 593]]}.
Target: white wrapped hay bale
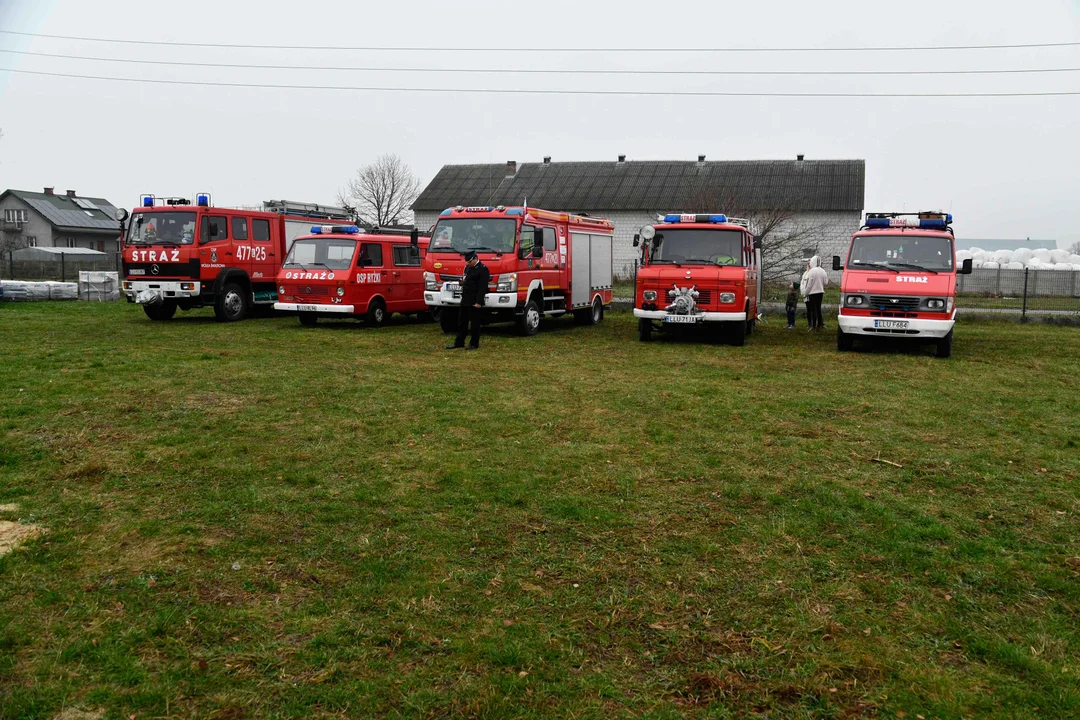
{"points": [[1059, 256], [1013, 266], [97, 286], [1002, 256], [1023, 255], [1066, 267], [1074, 259], [1042, 255], [990, 265]]}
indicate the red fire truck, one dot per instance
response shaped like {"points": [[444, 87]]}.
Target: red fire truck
{"points": [[697, 271], [177, 254], [900, 280], [339, 271], [542, 263]]}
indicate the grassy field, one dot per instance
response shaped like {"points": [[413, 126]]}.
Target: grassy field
{"points": [[262, 520]]}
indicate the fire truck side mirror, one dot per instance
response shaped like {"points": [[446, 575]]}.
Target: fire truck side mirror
{"points": [[538, 251], [414, 237], [637, 239], [757, 243], [836, 265], [965, 269]]}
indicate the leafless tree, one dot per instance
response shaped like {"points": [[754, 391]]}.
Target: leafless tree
{"points": [[785, 237], [382, 192], [1075, 248]]}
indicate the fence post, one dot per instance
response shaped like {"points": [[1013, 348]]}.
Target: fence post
{"points": [[11, 264], [1023, 311], [63, 272]]}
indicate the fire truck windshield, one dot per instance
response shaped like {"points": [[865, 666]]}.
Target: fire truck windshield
{"points": [[909, 252], [478, 234], [161, 228], [333, 253], [694, 246]]}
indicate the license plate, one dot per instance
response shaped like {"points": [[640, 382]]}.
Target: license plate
{"points": [[136, 272], [452, 287], [308, 308], [682, 318], [891, 324]]}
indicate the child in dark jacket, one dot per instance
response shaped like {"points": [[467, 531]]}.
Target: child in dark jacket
{"points": [[792, 303]]}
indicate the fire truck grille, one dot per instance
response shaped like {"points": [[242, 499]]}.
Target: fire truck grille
{"points": [[890, 302], [450, 278], [308, 290], [704, 296]]}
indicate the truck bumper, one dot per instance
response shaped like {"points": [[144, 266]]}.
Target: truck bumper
{"points": [[147, 292], [661, 315], [446, 298], [305, 307], [861, 325]]}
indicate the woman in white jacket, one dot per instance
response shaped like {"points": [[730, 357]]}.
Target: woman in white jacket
{"points": [[814, 281]]}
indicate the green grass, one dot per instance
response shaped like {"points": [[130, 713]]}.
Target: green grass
{"points": [[576, 524]]}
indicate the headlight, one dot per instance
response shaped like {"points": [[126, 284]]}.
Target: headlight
{"points": [[935, 304], [429, 281], [281, 289], [649, 295], [727, 298], [854, 300], [507, 283], [648, 232], [340, 291], [127, 285], [187, 286]]}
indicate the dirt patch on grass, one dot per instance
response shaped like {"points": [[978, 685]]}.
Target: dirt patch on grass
{"points": [[74, 714], [10, 507], [13, 534]]}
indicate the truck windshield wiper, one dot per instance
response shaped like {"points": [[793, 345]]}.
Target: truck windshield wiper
{"points": [[883, 266], [484, 248], [915, 267]]}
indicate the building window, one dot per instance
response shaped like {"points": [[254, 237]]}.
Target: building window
{"points": [[71, 242], [31, 241], [16, 216]]}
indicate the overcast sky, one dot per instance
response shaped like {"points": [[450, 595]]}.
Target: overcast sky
{"points": [[1006, 167]]}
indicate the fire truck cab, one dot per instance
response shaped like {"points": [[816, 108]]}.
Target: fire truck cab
{"points": [[542, 263], [697, 270], [179, 254], [341, 271], [900, 280]]}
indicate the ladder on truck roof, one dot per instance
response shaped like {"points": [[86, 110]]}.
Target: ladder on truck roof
{"points": [[307, 210]]}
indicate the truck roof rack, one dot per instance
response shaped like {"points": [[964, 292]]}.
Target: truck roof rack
{"points": [[307, 210]]}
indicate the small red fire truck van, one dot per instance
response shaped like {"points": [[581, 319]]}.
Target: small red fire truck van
{"points": [[900, 280], [182, 255], [339, 271], [697, 271], [542, 263]]}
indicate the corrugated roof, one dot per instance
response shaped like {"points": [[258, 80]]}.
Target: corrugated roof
{"points": [[653, 186], [62, 212]]}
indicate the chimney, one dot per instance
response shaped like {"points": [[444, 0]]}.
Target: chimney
{"points": [[511, 167], [701, 158], [622, 158], [71, 193], [48, 191], [799, 158], [547, 159]]}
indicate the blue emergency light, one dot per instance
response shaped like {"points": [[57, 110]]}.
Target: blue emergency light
{"points": [[932, 221], [331, 229], [515, 211], [146, 200], [691, 218], [202, 199], [447, 211]]}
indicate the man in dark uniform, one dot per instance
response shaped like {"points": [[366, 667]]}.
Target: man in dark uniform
{"points": [[474, 287]]}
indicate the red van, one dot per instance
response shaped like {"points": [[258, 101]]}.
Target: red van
{"points": [[341, 271]]}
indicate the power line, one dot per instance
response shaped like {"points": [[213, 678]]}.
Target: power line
{"points": [[162, 43], [501, 91], [526, 71]]}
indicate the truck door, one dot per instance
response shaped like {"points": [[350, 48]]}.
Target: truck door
{"points": [[408, 279], [263, 251], [215, 249], [371, 277]]}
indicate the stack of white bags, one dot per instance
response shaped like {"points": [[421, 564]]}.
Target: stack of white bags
{"points": [[1041, 259]]}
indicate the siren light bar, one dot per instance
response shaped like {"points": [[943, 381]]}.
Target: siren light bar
{"points": [[335, 229], [692, 218], [923, 220]]}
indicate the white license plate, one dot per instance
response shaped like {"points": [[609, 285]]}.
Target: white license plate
{"points": [[682, 318], [452, 287], [136, 272], [308, 308], [891, 324]]}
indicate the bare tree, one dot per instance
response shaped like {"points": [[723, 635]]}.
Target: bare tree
{"points": [[382, 192], [785, 237], [1075, 248]]}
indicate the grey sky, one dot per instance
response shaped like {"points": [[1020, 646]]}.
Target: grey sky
{"points": [[1007, 167]]}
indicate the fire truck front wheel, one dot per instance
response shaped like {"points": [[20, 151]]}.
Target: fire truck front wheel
{"points": [[737, 333], [163, 310], [448, 320], [376, 314], [845, 342], [944, 346], [644, 330], [528, 322], [232, 304]]}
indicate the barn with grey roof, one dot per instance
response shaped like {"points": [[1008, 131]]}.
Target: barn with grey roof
{"points": [[48, 219], [824, 198]]}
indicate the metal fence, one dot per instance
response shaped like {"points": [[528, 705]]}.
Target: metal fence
{"points": [[64, 268]]}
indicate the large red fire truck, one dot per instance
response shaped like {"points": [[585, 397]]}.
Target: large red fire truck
{"points": [[542, 263], [339, 271], [697, 271], [179, 254], [900, 280]]}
